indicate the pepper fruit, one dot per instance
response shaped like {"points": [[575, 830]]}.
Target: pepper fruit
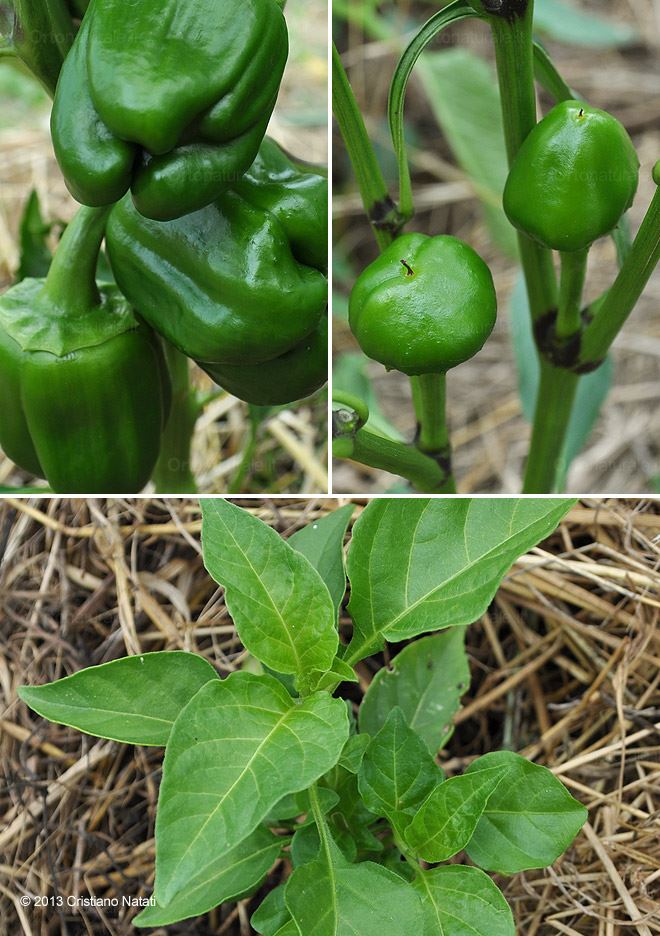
{"points": [[292, 376], [84, 389], [425, 305], [229, 284], [574, 176], [170, 99]]}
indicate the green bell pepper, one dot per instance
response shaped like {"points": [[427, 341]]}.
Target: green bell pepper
{"points": [[249, 295], [84, 389], [426, 304], [573, 177], [292, 376], [170, 99]]}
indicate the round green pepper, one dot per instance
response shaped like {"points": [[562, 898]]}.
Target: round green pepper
{"points": [[84, 388], [425, 305], [573, 177]]}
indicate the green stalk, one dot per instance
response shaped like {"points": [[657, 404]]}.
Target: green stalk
{"points": [[554, 405], [378, 205], [430, 399], [42, 34], [173, 474], [423, 472], [573, 273], [611, 312], [514, 58], [71, 281]]}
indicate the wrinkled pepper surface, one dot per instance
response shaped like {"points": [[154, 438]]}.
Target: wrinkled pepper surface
{"points": [[84, 389], [240, 282], [170, 99], [573, 177], [425, 305]]}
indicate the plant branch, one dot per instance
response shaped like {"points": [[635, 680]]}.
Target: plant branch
{"points": [[378, 205], [429, 395]]}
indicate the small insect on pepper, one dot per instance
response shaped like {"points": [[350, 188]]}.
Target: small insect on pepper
{"points": [[573, 177], [425, 305]]}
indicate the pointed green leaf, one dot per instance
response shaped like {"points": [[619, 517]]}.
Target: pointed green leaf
{"points": [[271, 914], [339, 672], [351, 756], [418, 565], [530, 819], [322, 543], [280, 605], [237, 748], [230, 875], [446, 820], [330, 897], [135, 700], [397, 772], [463, 901], [426, 680]]}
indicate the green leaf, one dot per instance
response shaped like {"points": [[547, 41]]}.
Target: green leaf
{"points": [[271, 914], [592, 389], [350, 817], [280, 605], [463, 91], [339, 672], [289, 929], [566, 23], [135, 700], [35, 257], [350, 376], [426, 680], [397, 772], [423, 564], [353, 753], [463, 901], [330, 897], [322, 544], [446, 820], [237, 748], [230, 875], [529, 820]]}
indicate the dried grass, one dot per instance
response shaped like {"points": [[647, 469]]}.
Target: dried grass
{"points": [[565, 670]]}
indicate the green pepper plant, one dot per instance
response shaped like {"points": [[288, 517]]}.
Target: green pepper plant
{"points": [[427, 304], [273, 764], [216, 240]]}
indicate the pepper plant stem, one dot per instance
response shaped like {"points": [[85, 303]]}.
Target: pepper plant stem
{"points": [[514, 58], [172, 474], [573, 273], [429, 396], [423, 472], [611, 312], [554, 404], [71, 281], [379, 207]]}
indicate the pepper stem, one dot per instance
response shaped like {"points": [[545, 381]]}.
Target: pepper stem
{"points": [[611, 312], [573, 274], [554, 405], [172, 474], [71, 281], [430, 400]]}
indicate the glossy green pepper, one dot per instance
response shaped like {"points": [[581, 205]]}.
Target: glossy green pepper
{"points": [[84, 389], [424, 306], [229, 284], [170, 99], [573, 177], [292, 376]]}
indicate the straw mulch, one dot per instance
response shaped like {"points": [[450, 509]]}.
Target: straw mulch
{"points": [[565, 670]]}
